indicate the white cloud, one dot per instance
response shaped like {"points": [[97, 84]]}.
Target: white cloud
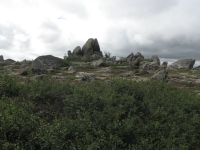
{"points": [[167, 28]]}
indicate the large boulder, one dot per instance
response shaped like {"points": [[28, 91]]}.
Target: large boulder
{"points": [[91, 47], [161, 75], [182, 64], [9, 61], [46, 62], [129, 57], [77, 51], [1, 58], [155, 64]]}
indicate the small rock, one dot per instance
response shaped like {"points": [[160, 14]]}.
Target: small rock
{"points": [[98, 63], [161, 75], [72, 69], [87, 78]]}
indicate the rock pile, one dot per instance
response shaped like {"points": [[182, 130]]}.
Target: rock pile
{"points": [[90, 48]]}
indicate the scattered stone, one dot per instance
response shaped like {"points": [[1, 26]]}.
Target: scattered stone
{"points": [[87, 78], [81, 74], [182, 64], [72, 69], [98, 63], [38, 77], [161, 75], [77, 51]]}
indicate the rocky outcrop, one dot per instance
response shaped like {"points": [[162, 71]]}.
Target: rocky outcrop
{"points": [[1, 58], [161, 75], [182, 64], [138, 54], [129, 57], [91, 47], [77, 51], [135, 64], [46, 62], [155, 64]]}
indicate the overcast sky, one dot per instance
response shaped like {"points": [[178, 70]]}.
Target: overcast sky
{"points": [[167, 28]]}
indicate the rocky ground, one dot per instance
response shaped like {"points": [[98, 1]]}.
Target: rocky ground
{"points": [[79, 72]]}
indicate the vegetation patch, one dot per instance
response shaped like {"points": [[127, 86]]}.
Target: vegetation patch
{"points": [[120, 114]]}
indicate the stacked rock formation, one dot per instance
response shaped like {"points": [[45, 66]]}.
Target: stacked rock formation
{"points": [[90, 48]]}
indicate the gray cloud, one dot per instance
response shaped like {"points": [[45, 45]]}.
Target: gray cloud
{"points": [[117, 9], [167, 28]]}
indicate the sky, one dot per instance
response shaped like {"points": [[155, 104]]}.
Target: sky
{"points": [[167, 28]]}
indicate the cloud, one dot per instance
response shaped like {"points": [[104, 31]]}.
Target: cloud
{"points": [[12, 36], [134, 9], [49, 32], [75, 7]]}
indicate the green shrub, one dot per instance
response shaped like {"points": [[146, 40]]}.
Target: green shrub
{"points": [[120, 115], [8, 86], [18, 128]]}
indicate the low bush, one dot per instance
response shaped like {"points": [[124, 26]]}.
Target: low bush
{"points": [[120, 114]]}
